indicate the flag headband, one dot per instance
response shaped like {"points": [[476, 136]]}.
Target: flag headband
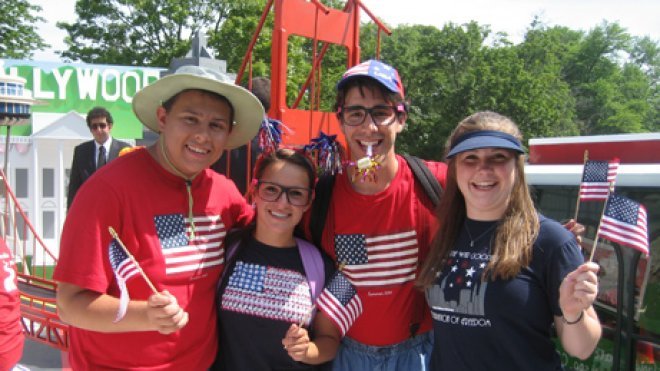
{"points": [[485, 139]]}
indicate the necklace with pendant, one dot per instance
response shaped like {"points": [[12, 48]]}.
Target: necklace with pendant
{"points": [[473, 240]]}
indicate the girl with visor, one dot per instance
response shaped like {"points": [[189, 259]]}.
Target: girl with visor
{"points": [[499, 274]]}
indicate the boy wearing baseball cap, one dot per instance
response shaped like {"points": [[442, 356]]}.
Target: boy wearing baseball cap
{"points": [[171, 213], [380, 257]]}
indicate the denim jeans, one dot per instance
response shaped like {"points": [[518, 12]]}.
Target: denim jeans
{"points": [[410, 355]]}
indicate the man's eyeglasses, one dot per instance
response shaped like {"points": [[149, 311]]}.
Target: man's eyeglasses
{"points": [[355, 115], [296, 196], [98, 126]]}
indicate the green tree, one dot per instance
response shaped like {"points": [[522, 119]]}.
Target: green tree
{"points": [[451, 73], [646, 55], [610, 75], [558, 81], [232, 38], [138, 32], [592, 71], [18, 35], [435, 69]]}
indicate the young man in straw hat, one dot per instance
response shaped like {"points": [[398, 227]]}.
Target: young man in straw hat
{"points": [[171, 213]]}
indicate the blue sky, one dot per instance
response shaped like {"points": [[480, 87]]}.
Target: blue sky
{"points": [[639, 17]]}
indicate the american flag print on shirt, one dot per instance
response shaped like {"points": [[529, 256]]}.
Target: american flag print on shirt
{"points": [[377, 260], [340, 302], [596, 178], [182, 254], [267, 292]]}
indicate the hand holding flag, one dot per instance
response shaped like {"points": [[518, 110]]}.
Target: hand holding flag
{"points": [[296, 342], [578, 291], [124, 266], [165, 313]]}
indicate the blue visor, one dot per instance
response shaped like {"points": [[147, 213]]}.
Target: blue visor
{"points": [[485, 139]]}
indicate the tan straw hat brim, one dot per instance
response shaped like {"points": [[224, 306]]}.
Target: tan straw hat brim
{"points": [[248, 111]]}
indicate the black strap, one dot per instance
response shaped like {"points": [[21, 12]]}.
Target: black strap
{"points": [[320, 207], [428, 181], [433, 190]]}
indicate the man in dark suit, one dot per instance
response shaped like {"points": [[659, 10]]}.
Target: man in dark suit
{"points": [[91, 155]]}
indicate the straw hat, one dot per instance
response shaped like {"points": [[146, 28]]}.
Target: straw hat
{"points": [[248, 111]]}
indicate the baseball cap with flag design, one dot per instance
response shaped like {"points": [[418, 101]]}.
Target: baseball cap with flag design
{"points": [[377, 70]]}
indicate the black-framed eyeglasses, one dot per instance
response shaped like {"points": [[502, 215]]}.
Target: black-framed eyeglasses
{"points": [[382, 115], [98, 126], [297, 196]]}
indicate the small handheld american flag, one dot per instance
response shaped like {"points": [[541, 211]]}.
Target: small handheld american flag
{"points": [[340, 302], [625, 222], [124, 266], [124, 269], [596, 179]]}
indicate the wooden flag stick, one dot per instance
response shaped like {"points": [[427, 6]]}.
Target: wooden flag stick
{"points": [[593, 248], [577, 204], [307, 316], [130, 256]]}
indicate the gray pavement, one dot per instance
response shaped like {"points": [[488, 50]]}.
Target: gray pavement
{"points": [[38, 356]]}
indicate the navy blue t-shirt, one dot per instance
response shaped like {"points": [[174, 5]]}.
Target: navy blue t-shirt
{"points": [[501, 324], [266, 292]]}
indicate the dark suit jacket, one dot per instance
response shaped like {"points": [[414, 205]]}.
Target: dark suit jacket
{"points": [[84, 164]]}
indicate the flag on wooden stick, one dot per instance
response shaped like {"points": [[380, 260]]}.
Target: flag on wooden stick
{"points": [[340, 302], [596, 179], [124, 269], [625, 222], [124, 266]]}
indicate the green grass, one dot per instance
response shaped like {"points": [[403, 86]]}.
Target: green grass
{"points": [[38, 271]]}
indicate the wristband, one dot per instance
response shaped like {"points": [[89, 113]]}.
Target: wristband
{"points": [[573, 322]]}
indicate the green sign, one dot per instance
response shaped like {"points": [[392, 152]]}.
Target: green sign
{"points": [[65, 87]]}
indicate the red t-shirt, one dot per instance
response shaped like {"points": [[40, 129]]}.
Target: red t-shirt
{"points": [[148, 207], [11, 333], [380, 240]]}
